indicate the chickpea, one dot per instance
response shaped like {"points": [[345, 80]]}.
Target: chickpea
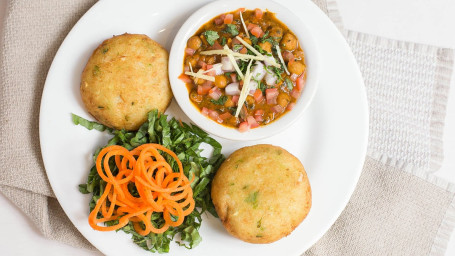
{"points": [[194, 96], [250, 101], [194, 42], [229, 103], [210, 60], [199, 81], [276, 32], [266, 46], [289, 42], [283, 99], [247, 40], [220, 81], [296, 67], [299, 55], [233, 121], [192, 60]]}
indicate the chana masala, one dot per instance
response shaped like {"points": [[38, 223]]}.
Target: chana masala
{"points": [[244, 69]]}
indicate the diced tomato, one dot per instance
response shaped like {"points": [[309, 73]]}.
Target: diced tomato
{"points": [[185, 78], [225, 116], [205, 111], [294, 77], [203, 89], [215, 93], [271, 95], [235, 99], [252, 122], [258, 13], [277, 109], [216, 46], [243, 127], [300, 83], [234, 77], [219, 20], [228, 18], [190, 51], [295, 93], [291, 106], [250, 26], [259, 112], [244, 50], [202, 65], [287, 56], [215, 116], [259, 118], [235, 41], [209, 66], [258, 97], [257, 31]]}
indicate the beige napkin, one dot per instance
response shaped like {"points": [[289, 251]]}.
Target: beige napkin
{"points": [[397, 208]]}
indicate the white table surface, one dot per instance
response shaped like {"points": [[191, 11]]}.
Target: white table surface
{"points": [[430, 22]]}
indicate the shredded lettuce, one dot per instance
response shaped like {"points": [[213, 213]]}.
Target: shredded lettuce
{"points": [[185, 140]]}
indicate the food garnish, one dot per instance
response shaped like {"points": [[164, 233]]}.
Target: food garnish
{"points": [[166, 136], [244, 69], [159, 189]]}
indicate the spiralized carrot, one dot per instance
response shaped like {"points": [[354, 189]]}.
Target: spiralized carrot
{"points": [[160, 190]]}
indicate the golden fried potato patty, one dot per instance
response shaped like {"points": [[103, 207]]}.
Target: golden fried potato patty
{"points": [[124, 79], [261, 193]]}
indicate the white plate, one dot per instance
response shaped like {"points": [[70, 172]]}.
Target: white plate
{"points": [[330, 139]]}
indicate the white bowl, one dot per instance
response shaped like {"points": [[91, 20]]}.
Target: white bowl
{"points": [[214, 9]]}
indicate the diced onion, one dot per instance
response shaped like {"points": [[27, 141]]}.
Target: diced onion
{"points": [[232, 89]]}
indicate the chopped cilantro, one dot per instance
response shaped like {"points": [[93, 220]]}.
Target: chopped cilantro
{"points": [[262, 86], [288, 83], [211, 36], [223, 41], [254, 40], [96, 70], [278, 72], [237, 47], [253, 199], [219, 101], [231, 29]]}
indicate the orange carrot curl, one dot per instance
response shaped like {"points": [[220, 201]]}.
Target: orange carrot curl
{"points": [[160, 189]]}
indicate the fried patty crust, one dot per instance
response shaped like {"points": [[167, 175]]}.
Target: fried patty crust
{"points": [[261, 193], [124, 79]]}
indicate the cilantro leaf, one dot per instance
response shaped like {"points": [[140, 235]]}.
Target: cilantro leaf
{"points": [[219, 101], [237, 47], [211, 36], [231, 29]]}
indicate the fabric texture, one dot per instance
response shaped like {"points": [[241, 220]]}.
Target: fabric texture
{"points": [[398, 207], [33, 32]]}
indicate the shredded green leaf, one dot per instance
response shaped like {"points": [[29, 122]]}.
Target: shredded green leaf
{"points": [[185, 140], [77, 120], [211, 36]]}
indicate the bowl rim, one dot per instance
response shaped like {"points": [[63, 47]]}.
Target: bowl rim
{"points": [[213, 9]]}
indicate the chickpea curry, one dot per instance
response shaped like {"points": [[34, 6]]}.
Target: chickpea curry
{"points": [[244, 69]]}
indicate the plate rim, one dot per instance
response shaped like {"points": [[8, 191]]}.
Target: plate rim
{"points": [[362, 88]]}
